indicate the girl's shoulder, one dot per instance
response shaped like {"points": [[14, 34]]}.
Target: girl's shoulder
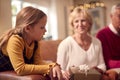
{"points": [[16, 39]]}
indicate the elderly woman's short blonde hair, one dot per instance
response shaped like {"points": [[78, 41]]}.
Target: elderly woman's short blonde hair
{"points": [[77, 11]]}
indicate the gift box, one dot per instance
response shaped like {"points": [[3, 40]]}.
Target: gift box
{"points": [[91, 74]]}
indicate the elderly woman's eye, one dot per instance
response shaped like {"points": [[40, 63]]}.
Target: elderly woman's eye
{"points": [[83, 20]]}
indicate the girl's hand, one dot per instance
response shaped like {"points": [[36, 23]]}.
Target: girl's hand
{"points": [[56, 72]]}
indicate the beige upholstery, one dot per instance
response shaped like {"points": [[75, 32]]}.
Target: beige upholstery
{"points": [[11, 75], [48, 52], [48, 49]]}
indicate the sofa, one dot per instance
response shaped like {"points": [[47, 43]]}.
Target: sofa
{"points": [[48, 52]]}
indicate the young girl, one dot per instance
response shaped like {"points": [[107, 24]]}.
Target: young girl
{"points": [[19, 46]]}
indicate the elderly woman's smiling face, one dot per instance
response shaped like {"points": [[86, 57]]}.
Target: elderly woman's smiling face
{"points": [[81, 24]]}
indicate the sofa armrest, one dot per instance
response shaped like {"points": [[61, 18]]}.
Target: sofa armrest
{"points": [[48, 49], [11, 75]]}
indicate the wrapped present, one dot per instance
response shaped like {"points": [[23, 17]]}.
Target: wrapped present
{"points": [[91, 74]]}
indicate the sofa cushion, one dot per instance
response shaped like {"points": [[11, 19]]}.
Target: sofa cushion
{"points": [[11, 75], [48, 49]]}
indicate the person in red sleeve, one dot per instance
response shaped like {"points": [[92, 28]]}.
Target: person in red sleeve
{"points": [[110, 39]]}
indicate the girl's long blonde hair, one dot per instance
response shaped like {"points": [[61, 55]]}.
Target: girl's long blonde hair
{"points": [[27, 16]]}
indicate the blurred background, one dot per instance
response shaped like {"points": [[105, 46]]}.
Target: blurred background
{"points": [[58, 13]]}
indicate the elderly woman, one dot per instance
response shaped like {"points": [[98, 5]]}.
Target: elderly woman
{"points": [[81, 48]]}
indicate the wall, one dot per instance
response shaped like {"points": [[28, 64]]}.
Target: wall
{"points": [[108, 8], [5, 15], [108, 5], [62, 16]]}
